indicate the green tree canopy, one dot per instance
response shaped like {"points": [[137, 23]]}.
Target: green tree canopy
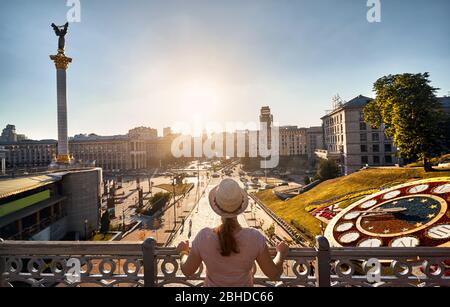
{"points": [[328, 169], [407, 106], [105, 223]]}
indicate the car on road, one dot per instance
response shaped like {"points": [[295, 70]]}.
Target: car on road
{"points": [[216, 176], [444, 163]]}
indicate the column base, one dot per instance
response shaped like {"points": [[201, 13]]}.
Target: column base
{"points": [[64, 159]]}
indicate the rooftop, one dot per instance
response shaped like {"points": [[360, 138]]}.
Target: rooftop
{"points": [[357, 102], [445, 101], [10, 187]]}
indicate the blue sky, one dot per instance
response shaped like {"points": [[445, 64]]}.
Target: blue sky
{"points": [[154, 63]]}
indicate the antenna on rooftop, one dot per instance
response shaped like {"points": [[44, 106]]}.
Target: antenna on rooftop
{"points": [[337, 102]]}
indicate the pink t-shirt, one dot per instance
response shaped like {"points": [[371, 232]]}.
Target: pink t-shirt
{"points": [[235, 270]]}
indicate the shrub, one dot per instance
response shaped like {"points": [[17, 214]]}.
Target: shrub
{"points": [[328, 169]]}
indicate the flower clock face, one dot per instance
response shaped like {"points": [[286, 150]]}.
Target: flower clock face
{"points": [[409, 215]]}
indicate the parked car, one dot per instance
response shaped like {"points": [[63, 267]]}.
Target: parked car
{"points": [[444, 163]]}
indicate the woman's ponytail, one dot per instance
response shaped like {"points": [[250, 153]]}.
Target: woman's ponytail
{"points": [[225, 232]]}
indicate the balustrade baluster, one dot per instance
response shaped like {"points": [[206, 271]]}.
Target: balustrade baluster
{"points": [[323, 270], [150, 263]]}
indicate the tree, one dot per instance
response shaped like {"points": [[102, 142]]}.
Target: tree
{"points": [[270, 232], [328, 169], [158, 201], [105, 223], [407, 106], [307, 180]]}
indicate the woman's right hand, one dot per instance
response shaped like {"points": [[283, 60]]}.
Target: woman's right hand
{"points": [[283, 249]]}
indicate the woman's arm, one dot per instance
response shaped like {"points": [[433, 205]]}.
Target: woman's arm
{"points": [[190, 261], [273, 268]]}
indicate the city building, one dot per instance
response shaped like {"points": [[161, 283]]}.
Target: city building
{"points": [[3, 152], [167, 132], [314, 141], [139, 149], [51, 207], [108, 152], [293, 141], [266, 120], [29, 154], [351, 142], [9, 135], [134, 151]]}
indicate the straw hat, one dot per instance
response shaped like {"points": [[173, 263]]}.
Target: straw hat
{"points": [[228, 199]]}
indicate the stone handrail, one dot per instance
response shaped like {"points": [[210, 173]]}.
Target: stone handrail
{"points": [[72, 264]]}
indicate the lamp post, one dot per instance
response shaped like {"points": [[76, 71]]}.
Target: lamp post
{"points": [[174, 204], [123, 219], [85, 229]]}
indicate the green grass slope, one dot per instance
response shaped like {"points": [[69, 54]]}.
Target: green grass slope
{"points": [[295, 211]]}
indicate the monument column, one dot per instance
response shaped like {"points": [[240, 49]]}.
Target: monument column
{"points": [[62, 64]]}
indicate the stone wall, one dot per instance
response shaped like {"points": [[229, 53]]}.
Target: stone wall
{"points": [[83, 191]]}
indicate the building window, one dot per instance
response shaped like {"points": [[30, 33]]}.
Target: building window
{"points": [[388, 148], [365, 160], [362, 126], [376, 160], [388, 159], [376, 148], [375, 137], [363, 148], [363, 137]]}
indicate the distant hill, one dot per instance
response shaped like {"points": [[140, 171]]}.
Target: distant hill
{"points": [[344, 190]]}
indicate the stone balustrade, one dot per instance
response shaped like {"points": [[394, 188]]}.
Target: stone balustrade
{"points": [[111, 264]]}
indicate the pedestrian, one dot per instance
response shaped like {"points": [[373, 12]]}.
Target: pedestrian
{"points": [[230, 251]]}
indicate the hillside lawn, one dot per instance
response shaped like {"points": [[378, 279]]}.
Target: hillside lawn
{"points": [[294, 211], [180, 189]]}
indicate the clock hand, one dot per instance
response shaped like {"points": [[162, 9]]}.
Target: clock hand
{"points": [[384, 211]]}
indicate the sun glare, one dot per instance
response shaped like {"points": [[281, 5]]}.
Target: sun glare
{"points": [[198, 101]]}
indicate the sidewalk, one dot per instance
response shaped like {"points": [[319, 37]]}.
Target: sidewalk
{"points": [[165, 225]]}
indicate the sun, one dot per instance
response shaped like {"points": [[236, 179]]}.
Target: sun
{"points": [[199, 99], [200, 93]]}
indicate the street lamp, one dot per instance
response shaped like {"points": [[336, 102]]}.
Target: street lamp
{"points": [[85, 229], [174, 204], [123, 219]]}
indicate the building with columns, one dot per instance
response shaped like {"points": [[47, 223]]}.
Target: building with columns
{"points": [[139, 149], [3, 152], [136, 150], [29, 154]]}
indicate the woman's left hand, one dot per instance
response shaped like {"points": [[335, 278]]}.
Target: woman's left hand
{"points": [[183, 247]]}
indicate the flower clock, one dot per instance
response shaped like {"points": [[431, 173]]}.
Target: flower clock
{"points": [[410, 215]]}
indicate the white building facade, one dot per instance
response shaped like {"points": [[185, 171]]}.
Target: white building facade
{"points": [[353, 143]]}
